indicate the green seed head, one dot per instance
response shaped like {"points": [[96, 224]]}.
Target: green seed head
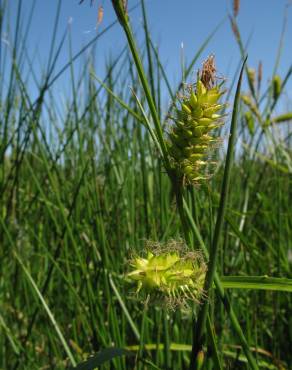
{"points": [[249, 122], [170, 274], [251, 75], [277, 84], [249, 104], [198, 115]]}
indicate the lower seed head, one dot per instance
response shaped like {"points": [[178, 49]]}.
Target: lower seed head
{"points": [[169, 273]]}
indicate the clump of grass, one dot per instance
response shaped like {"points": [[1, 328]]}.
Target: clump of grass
{"points": [[78, 193], [170, 274]]}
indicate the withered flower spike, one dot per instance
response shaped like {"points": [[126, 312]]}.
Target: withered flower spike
{"points": [[236, 4], [208, 76], [234, 28]]}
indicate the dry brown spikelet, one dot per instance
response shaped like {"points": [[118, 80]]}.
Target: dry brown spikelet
{"points": [[234, 28], [236, 4], [208, 76]]}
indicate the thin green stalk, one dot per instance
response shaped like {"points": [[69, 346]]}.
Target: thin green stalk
{"points": [[39, 294], [237, 35], [224, 298], [142, 333], [123, 18], [179, 203], [199, 328], [167, 352], [149, 56], [213, 344]]}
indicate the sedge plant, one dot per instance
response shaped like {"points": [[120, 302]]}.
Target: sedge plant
{"points": [[120, 8], [74, 161]]}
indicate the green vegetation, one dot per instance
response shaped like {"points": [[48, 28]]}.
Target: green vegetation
{"points": [[85, 182]]}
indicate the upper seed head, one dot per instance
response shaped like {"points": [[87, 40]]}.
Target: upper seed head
{"points": [[197, 116]]}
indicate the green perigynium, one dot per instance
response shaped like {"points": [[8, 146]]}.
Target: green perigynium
{"points": [[169, 274], [191, 137], [277, 84]]}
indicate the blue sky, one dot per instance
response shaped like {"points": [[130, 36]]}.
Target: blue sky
{"points": [[171, 23]]}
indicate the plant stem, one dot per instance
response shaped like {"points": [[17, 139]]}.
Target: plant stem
{"points": [[135, 54], [199, 328]]}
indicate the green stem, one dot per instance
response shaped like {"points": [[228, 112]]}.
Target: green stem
{"points": [[122, 16], [199, 328], [212, 339], [167, 352], [182, 215], [223, 296]]}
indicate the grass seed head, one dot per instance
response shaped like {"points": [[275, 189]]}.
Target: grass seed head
{"points": [[260, 74], [235, 7], [197, 117], [169, 274], [251, 72], [277, 84], [234, 28]]}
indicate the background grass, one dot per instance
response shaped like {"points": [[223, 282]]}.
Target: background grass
{"points": [[82, 186]]}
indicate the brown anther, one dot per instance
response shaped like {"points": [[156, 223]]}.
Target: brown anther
{"points": [[99, 15], [208, 76], [235, 7]]}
